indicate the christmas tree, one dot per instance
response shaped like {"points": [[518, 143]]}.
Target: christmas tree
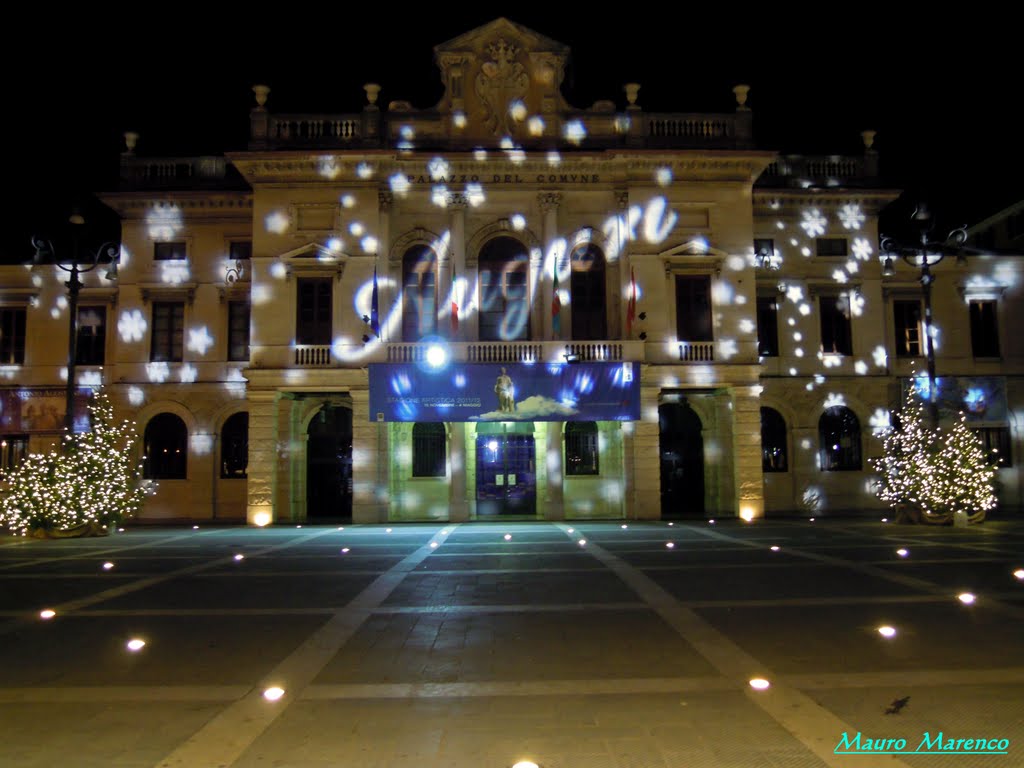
{"points": [[87, 489]]}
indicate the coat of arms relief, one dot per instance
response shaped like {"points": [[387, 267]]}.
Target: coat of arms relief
{"points": [[501, 81]]}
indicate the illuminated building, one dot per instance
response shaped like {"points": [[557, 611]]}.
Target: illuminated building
{"points": [[318, 326]]}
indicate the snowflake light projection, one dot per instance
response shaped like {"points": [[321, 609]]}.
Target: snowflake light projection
{"points": [[364, 171], [399, 184], [438, 168], [199, 340], [862, 248], [536, 126], [813, 222], [851, 216], [131, 325], [188, 374], [574, 131], [880, 356], [834, 400], [879, 421], [158, 372], [439, 195], [795, 293]]}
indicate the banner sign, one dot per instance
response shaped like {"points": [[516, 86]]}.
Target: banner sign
{"points": [[979, 398], [509, 392], [30, 411]]}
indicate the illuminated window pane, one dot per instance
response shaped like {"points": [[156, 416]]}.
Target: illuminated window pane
{"points": [[12, 336], [234, 446], [168, 336], [313, 324], [907, 322], [581, 448], [839, 440], [693, 308], [238, 330], [984, 329], [90, 338], [773, 441], [13, 448], [995, 443], [832, 246], [428, 450], [587, 291], [504, 300], [836, 333], [419, 293], [165, 442], [767, 326], [175, 250]]}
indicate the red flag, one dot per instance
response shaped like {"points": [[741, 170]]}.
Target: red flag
{"points": [[455, 308], [631, 307]]}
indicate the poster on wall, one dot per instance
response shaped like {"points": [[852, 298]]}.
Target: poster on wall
{"points": [[505, 392], [35, 411], [979, 398]]}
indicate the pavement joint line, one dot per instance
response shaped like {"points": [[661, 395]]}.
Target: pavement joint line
{"points": [[115, 693], [98, 552], [108, 594], [506, 608], [930, 587], [815, 727], [224, 739]]}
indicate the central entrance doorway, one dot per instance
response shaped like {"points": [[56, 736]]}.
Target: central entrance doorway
{"points": [[681, 447], [506, 472], [329, 464]]}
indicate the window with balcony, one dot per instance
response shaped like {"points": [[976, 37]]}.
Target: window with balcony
{"points": [[238, 330], [12, 335], [504, 291], [581, 448], [836, 331], [693, 308], [313, 323], [768, 326], [419, 293], [165, 443], [984, 328], [170, 250], [90, 340], [839, 440], [168, 337], [428, 450], [908, 327], [587, 291], [773, 441], [234, 446]]}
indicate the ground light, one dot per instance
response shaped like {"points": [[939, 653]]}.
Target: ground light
{"points": [[775, 549], [526, 764], [670, 545], [887, 631], [1019, 573], [966, 598], [262, 519], [107, 566], [902, 552], [273, 694], [759, 683], [583, 542], [508, 537], [239, 557], [47, 613], [136, 644], [344, 550]]}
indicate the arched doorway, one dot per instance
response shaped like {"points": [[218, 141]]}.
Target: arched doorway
{"points": [[329, 464], [681, 448]]}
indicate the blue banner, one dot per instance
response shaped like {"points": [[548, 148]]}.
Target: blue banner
{"points": [[509, 392]]}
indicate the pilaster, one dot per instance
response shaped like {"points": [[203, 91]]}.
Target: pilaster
{"points": [[549, 203], [369, 463]]}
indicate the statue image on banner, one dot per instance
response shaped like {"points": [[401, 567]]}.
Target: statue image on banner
{"points": [[505, 390]]}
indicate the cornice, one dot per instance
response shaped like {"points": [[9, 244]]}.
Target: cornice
{"points": [[205, 205], [791, 202]]}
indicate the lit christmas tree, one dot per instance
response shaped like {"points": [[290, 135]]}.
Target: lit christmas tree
{"points": [[86, 490], [927, 475]]}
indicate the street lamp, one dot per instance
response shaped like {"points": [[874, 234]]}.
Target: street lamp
{"points": [[78, 264], [924, 253]]}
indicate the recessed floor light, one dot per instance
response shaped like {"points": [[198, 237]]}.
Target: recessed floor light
{"points": [[47, 613], [344, 550], [387, 530], [670, 545], [759, 683], [433, 545], [583, 542], [624, 527], [887, 631], [902, 552], [966, 598], [195, 527], [239, 557], [273, 694], [775, 549], [136, 644], [107, 566], [1019, 573], [526, 764], [508, 537]]}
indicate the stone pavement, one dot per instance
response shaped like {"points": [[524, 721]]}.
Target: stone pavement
{"points": [[484, 644]]}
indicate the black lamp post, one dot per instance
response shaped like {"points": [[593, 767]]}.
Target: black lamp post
{"points": [[78, 264], [924, 253]]}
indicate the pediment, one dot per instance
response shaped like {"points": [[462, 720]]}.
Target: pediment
{"points": [[470, 41], [313, 251], [695, 247]]}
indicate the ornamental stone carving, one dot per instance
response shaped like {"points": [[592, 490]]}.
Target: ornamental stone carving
{"points": [[549, 201], [501, 81]]}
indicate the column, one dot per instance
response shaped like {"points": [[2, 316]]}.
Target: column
{"points": [[554, 508], [285, 470], [262, 458], [646, 458], [458, 506], [746, 441], [549, 202], [455, 261], [370, 463], [386, 289]]}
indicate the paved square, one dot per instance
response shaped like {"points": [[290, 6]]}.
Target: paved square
{"points": [[575, 645]]}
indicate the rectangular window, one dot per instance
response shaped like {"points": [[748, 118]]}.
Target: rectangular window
{"points": [[12, 336], [836, 334], [313, 324], [171, 250], [168, 332], [90, 341], [984, 329], [765, 245], [832, 246], [428, 450], [238, 330], [907, 322], [13, 448], [767, 326], [693, 308], [581, 448], [995, 443], [240, 249]]}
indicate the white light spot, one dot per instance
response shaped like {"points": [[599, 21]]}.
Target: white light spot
{"points": [[574, 131], [518, 222], [277, 222], [261, 519], [438, 168], [475, 194], [348, 201], [759, 683], [966, 598], [108, 566], [387, 530], [887, 631], [399, 184], [663, 176], [851, 216], [518, 110], [459, 119], [508, 537], [199, 340], [345, 550], [47, 613], [862, 249], [1019, 574], [131, 325], [364, 171], [554, 158], [582, 542], [239, 558], [571, 530], [278, 270], [335, 244], [775, 548], [805, 251], [479, 154], [369, 244], [433, 545], [273, 694], [624, 527], [136, 644], [813, 223], [670, 545], [535, 125]]}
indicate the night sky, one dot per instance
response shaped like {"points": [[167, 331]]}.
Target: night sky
{"points": [[941, 92]]}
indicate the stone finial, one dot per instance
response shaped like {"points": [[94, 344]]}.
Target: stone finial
{"points": [[741, 92], [131, 138], [869, 139], [261, 91], [632, 91], [372, 91]]}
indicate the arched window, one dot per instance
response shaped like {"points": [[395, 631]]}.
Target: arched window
{"points": [[428, 450], [581, 454], [165, 442], [419, 293], [504, 297], [589, 310], [839, 440], [773, 441], [234, 446]]}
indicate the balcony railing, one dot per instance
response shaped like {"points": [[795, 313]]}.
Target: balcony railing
{"points": [[313, 355], [697, 351]]}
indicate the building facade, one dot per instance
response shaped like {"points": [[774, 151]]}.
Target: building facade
{"points": [[507, 306]]}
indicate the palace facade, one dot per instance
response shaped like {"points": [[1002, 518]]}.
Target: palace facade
{"points": [[506, 305]]}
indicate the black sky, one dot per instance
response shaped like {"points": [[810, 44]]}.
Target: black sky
{"points": [[942, 92]]}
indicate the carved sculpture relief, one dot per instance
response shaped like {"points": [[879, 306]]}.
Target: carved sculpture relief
{"points": [[501, 81]]}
